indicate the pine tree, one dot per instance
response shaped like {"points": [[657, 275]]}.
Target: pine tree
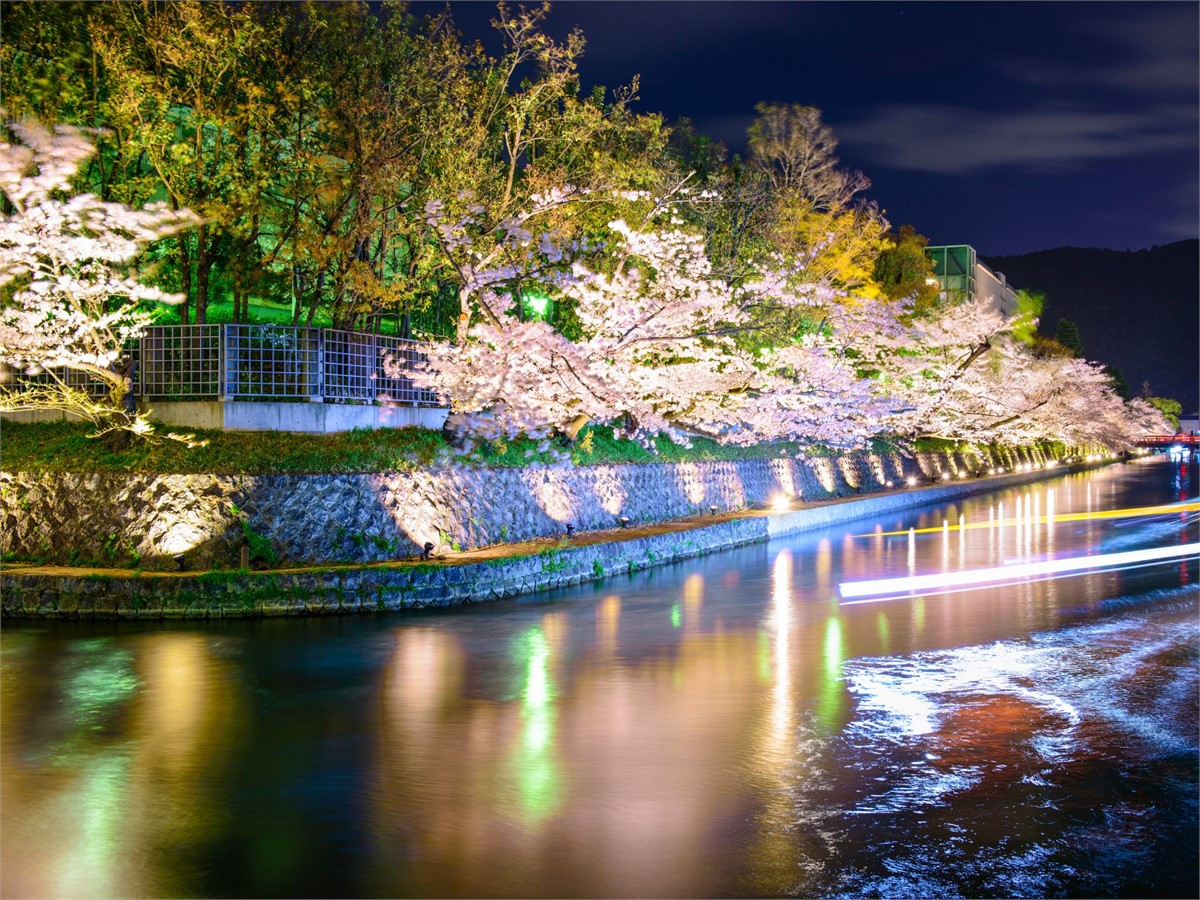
{"points": [[1067, 334]]}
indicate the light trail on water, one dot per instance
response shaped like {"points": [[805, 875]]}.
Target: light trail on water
{"points": [[879, 589]]}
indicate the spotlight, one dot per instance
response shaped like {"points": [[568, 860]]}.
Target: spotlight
{"points": [[179, 560], [428, 550], [712, 510], [570, 530], [910, 481], [624, 520]]}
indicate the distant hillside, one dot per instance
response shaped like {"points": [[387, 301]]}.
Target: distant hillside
{"points": [[1138, 310]]}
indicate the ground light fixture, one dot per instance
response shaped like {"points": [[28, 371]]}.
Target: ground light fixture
{"points": [[427, 550], [624, 520], [179, 561], [570, 530]]}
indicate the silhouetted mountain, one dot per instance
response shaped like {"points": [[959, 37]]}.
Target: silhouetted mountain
{"points": [[1138, 310]]}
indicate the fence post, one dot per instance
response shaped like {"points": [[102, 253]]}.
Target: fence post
{"points": [[376, 368], [222, 362], [319, 379]]}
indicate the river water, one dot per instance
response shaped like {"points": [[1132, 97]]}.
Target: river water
{"points": [[722, 727]]}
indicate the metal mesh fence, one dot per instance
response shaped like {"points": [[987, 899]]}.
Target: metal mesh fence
{"points": [[181, 362], [349, 365], [398, 357], [259, 362], [272, 361], [95, 388]]}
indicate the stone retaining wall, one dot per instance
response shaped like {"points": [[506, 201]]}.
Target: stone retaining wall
{"points": [[408, 586], [147, 520]]}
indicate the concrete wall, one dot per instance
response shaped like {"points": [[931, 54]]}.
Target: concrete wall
{"points": [[128, 519], [992, 288], [243, 415]]}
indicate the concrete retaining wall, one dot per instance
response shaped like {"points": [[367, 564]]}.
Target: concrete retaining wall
{"points": [[243, 415]]}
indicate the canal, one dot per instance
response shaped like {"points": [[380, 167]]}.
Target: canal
{"points": [[723, 727]]}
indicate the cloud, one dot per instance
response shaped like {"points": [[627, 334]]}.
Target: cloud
{"points": [[961, 141], [1147, 50]]}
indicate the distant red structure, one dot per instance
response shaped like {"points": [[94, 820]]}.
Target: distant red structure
{"points": [[1166, 440]]}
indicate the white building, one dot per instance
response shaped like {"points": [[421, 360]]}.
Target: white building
{"points": [[963, 277]]}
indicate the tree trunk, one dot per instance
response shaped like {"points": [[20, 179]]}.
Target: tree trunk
{"points": [[185, 276], [312, 309], [297, 295], [202, 270]]}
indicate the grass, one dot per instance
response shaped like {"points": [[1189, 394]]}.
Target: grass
{"points": [[65, 447], [262, 312]]}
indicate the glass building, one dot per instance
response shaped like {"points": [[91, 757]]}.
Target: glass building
{"points": [[963, 277]]}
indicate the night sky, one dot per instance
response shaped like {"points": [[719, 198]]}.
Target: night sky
{"points": [[1013, 127]]}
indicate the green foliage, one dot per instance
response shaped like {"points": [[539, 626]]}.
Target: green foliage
{"points": [[903, 269], [1025, 320], [553, 561], [260, 546], [1067, 334], [1169, 408]]}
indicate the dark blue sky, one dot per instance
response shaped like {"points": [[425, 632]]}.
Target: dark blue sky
{"points": [[1009, 126]]}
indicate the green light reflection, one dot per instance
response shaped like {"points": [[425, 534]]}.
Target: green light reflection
{"points": [[832, 697], [676, 616], [764, 655], [537, 776], [884, 630]]}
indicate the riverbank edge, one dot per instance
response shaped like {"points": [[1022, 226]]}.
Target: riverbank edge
{"points": [[501, 573]]}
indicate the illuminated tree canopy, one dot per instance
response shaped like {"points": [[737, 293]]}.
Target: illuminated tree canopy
{"points": [[582, 262]]}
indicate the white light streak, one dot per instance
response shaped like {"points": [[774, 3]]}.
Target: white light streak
{"points": [[880, 588]]}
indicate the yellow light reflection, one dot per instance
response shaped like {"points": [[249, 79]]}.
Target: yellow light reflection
{"points": [[693, 597], [1024, 518], [781, 621], [823, 564], [426, 673], [608, 622]]}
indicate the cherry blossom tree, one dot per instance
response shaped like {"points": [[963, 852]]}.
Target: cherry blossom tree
{"points": [[660, 348], [970, 376], [70, 303]]}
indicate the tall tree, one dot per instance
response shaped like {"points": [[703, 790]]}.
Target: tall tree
{"points": [[1067, 334], [903, 269], [183, 94]]}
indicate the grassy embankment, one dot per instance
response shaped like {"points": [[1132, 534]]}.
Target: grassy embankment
{"points": [[66, 447]]}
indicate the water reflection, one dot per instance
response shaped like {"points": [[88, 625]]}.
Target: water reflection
{"points": [[111, 746], [721, 728]]}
